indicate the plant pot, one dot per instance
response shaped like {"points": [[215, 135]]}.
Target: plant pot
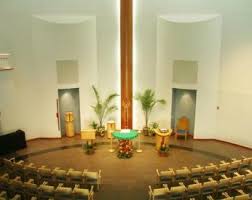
{"points": [[163, 153], [146, 131]]}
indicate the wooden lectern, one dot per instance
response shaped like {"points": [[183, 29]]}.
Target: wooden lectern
{"points": [[162, 135]]}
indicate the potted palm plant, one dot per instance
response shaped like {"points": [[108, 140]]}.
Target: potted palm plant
{"points": [[148, 102], [102, 109]]}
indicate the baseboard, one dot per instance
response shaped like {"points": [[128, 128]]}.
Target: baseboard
{"points": [[222, 141], [43, 138]]}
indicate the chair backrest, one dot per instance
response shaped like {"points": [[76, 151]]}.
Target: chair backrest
{"points": [[242, 197], [183, 123]]}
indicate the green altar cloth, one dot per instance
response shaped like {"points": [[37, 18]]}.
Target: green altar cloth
{"points": [[125, 134]]}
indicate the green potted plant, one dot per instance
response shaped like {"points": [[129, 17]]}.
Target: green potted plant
{"points": [[93, 125], [148, 102], [89, 148], [102, 109], [153, 126], [163, 151]]}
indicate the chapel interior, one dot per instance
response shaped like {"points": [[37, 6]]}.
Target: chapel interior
{"points": [[125, 99]]}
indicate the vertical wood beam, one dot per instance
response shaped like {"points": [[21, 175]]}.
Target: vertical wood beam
{"points": [[126, 28]]}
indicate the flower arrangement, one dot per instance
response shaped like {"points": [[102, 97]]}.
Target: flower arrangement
{"points": [[163, 150], [89, 148], [125, 149]]}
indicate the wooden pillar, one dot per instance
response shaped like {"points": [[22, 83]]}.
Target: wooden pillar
{"points": [[126, 63]]}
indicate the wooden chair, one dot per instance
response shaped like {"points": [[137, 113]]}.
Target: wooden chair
{"points": [[62, 193], [157, 193], [59, 175], [44, 174], [165, 177], [46, 191], [30, 189], [75, 177], [93, 178], [197, 172], [80, 194], [182, 127], [209, 171], [31, 172], [177, 192], [194, 190], [182, 175]]}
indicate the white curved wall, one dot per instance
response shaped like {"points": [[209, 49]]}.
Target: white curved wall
{"points": [[29, 93], [231, 41]]}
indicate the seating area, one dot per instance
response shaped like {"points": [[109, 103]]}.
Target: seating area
{"points": [[29, 181], [225, 180]]}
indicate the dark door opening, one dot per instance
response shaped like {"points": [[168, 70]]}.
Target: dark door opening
{"points": [[183, 104], [69, 101]]}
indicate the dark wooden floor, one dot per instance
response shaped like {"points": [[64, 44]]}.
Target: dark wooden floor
{"points": [[129, 178]]}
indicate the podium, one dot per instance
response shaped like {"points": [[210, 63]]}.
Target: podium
{"points": [[69, 125], [111, 127], [162, 135]]}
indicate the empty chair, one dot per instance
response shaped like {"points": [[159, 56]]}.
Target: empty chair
{"points": [[45, 191], [59, 175], [44, 174], [31, 172], [16, 187], [93, 178], [222, 168], [226, 196], [3, 195], [197, 172], [177, 192], [16, 197], [75, 177], [82, 194], [247, 182], [245, 163], [209, 171], [9, 165], [30, 189], [233, 167], [223, 185], [236, 181], [4, 182], [182, 127], [165, 177], [241, 196], [194, 191], [208, 188], [158, 193], [182, 175], [18, 169], [63, 193]]}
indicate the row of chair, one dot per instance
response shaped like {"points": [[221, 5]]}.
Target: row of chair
{"points": [[39, 175], [202, 173], [210, 189], [183, 193], [29, 189], [3, 196]]}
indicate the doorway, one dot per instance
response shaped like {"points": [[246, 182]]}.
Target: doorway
{"points": [[69, 101], [183, 104]]}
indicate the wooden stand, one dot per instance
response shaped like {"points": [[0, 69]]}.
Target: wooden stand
{"points": [[69, 124], [111, 127], [165, 136]]}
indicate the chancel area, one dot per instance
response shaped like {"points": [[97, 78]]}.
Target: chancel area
{"points": [[125, 99]]}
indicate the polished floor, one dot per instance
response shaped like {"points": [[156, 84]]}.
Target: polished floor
{"points": [[124, 179]]}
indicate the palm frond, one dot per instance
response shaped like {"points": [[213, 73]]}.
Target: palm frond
{"points": [[110, 110], [98, 99]]}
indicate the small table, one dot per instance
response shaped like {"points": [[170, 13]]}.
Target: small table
{"points": [[125, 149]]}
